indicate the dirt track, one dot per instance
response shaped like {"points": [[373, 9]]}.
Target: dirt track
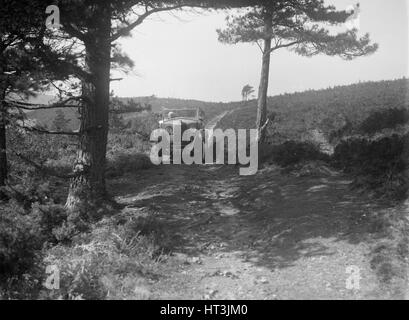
{"points": [[212, 124], [268, 236]]}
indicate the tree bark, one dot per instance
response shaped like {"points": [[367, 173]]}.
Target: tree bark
{"points": [[88, 187], [3, 152], [263, 88], [3, 136]]}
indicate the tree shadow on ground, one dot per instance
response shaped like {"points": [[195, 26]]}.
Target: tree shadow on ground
{"points": [[269, 219]]}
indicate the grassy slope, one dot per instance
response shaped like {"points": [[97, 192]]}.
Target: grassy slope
{"points": [[327, 109], [330, 110], [46, 117], [211, 109]]}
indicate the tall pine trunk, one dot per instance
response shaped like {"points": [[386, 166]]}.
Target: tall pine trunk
{"points": [[88, 186], [3, 137], [263, 88], [3, 152]]}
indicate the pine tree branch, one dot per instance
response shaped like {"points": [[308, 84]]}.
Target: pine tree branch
{"points": [[43, 169], [260, 47], [72, 30], [42, 108], [148, 12], [290, 44], [42, 131], [57, 105]]}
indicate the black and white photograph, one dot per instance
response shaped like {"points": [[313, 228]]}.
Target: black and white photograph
{"points": [[204, 155]]}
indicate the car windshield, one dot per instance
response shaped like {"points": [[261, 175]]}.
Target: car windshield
{"points": [[186, 113]]}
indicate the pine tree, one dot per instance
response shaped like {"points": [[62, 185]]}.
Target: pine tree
{"points": [[17, 70], [246, 92], [97, 25], [28, 64], [301, 26]]}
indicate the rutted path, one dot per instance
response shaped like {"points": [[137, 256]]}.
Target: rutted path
{"points": [[212, 124], [267, 236]]}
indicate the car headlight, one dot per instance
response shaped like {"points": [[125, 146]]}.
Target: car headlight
{"points": [[169, 130]]}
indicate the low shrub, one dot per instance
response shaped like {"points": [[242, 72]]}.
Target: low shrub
{"points": [[25, 234], [127, 141], [112, 262], [49, 219], [384, 119], [292, 152], [20, 240], [379, 164], [126, 162], [373, 157]]}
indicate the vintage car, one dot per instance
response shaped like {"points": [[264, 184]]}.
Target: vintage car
{"points": [[183, 119]]}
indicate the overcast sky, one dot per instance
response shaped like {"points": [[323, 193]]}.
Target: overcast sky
{"points": [[182, 58]]}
